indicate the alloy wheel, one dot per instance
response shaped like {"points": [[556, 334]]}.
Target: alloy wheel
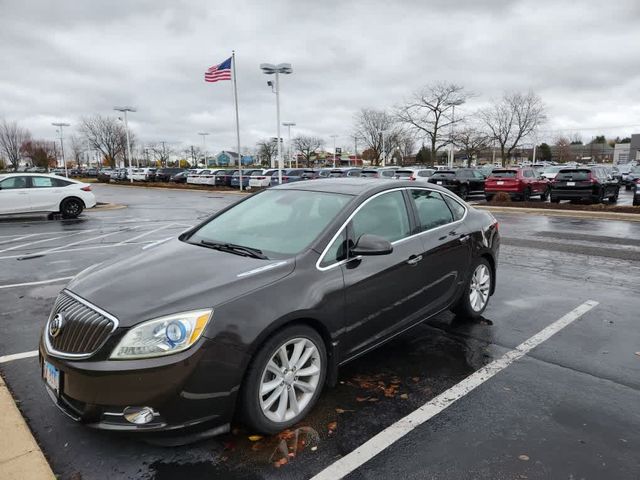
{"points": [[290, 379], [480, 286]]}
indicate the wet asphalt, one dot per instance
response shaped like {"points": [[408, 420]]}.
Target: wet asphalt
{"points": [[569, 410]]}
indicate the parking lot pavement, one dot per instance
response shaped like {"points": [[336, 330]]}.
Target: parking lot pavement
{"points": [[568, 409], [625, 199]]}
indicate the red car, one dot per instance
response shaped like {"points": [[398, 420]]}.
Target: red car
{"points": [[519, 183]]}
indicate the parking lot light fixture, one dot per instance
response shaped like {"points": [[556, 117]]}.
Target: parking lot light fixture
{"points": [[126, 129], [60, 125], [271, 69]]}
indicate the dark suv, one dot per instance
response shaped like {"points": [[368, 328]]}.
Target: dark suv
{"points": [[165, 174], [463, 181], [591, 184]]}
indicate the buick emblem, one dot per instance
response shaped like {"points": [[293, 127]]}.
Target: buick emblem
{"points": [[56, 325]]}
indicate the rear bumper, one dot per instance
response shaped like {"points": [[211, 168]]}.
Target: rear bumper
{"points": [[578, 194]]}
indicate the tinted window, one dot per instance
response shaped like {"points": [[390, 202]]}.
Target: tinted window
{"points": [[12, 183], [278, 222], [573, 175], [385, 216], [42, 182], [337, 251], [477, 174], [387, 173], [456, 207], [404, 173], [432, 209], [425, 173], [504, 174], [443, 174]]}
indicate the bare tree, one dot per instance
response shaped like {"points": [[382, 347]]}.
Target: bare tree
{"points": [[12, 137], [78, 147], [563, 149], [161, 153], [512, 118], [42, 153], [106, 135], [267, 150], [307, 147], [471, 141], [370, 125], [430, 112]]}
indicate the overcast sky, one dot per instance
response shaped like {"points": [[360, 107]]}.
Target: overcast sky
{"points": [[65, 59]]}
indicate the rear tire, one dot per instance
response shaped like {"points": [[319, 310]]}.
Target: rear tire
{"points": [[554, 199], [526, 196], [258, 378], [545, 195], [71, 208], [477, 290], [614, 198], [464, 192], [488, 198], [627, 187]]}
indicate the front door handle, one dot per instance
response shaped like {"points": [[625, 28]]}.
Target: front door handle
{"points": [[413, 259]]}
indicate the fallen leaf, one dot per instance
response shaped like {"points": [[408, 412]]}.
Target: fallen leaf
{"points": [[362, 399], [638, 354], [255, 438], [256, 446], [524, 457], [279, 463], [286, 434], [404, 396], [374, 399], [332, 426], [415, 379], [314, 448]]}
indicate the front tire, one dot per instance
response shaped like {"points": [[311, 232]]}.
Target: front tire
{"points": [[464, 192], [545, 195], [475, 297], [284, 380], [71, 208]]}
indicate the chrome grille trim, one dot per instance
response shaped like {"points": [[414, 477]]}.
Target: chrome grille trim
{"points": [[101, 329]]}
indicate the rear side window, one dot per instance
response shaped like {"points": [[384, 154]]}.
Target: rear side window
{"points": [[385, 216], [432, 209], [42, 182], [456, 208], [578, 175], [58, 182]]}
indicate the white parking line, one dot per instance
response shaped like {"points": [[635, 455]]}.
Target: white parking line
{"points": [[145, 234], [44, 240], [395, 432], [40, 282], [18, 356]]}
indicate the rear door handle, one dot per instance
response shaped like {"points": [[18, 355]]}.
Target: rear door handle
{"points": [[413, 259]]}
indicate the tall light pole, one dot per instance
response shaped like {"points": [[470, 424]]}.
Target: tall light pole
{"points": [[60, 125], [289, 125], [126, 129], [334, 149], [204, 147], [384, 155], [271, 69]]}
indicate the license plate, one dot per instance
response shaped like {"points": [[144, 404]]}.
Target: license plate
{"points": [[499, 183], [439, 183], [51, 376], [571, 184]]}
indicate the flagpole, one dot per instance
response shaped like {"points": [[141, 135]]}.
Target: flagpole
{"points": [[235, 97]]}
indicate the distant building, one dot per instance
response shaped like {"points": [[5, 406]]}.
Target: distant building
{"points": [[621, 153], [634, 150], [224, 158]]}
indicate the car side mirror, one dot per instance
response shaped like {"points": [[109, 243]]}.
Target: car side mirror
{"points": [[369, 244]]}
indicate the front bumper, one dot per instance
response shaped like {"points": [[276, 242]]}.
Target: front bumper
{"points": [[185, 389]]}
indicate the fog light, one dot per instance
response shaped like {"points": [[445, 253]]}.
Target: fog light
{"points": [[138, 415]]}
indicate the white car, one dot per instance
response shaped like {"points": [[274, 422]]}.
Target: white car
{"points": [[142, 174], [261, 179], [41, 193], [194, 176]]}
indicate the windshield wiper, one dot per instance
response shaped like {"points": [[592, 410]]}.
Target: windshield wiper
{"points": [[233, 248]]}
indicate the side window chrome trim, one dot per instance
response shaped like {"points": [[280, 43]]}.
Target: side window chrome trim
{"points": [[344, 225]]}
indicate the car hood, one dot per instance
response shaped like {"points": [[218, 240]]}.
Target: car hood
{"points": [[173, 277]]}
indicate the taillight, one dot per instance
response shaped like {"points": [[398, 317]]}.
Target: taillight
{"points": [[261, 178], [87, 188], [412, 178]]}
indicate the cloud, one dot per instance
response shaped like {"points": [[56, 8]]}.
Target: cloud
{"points": [[69, 59]]}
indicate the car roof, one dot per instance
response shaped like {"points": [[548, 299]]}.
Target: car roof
{"points": [[352, 185]]}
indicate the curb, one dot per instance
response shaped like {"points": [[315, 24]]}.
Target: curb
{"points": [[177, 189], [626, 217], [20, 455]]}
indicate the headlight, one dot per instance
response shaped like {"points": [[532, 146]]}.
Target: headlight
{"points": [[162, 336]]}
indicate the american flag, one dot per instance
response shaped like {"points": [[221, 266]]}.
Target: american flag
{"points": [[219, 72]]}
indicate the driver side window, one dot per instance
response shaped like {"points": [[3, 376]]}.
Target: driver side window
{"points": [[385, 216], [13, 183]]}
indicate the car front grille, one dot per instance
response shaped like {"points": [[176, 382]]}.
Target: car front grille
{"points": [[84, 328]]}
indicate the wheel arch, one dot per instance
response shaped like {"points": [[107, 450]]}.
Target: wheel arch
{"points": [[492, 263]]}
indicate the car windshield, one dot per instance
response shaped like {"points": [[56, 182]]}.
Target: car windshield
{"points": [[504, 174], [404, 173], [280, 223]]}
